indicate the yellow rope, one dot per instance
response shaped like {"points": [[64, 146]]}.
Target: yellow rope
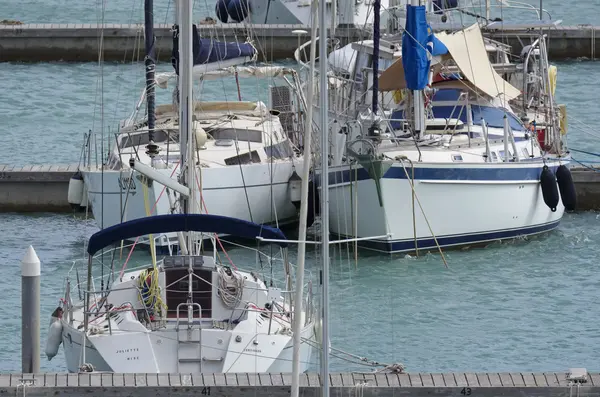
{"points": [[152, 298]]}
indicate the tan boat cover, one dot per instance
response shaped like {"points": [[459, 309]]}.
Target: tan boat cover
{"points": [[467, 49]]}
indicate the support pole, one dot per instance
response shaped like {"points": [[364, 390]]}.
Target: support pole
{"points": [[30, 312]]}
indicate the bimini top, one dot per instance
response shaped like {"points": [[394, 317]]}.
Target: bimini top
{"points": [[181, 223]]}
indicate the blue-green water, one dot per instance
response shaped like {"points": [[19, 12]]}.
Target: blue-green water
{"points": [[525, 305]]}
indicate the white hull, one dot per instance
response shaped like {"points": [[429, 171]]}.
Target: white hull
{"points": [[256, 197], [156, 353], [462, 205]]}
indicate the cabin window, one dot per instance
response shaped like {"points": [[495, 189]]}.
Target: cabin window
{"points": [[279, 150], [525, 152], [494, 117], [457, 157], [245, 158], [494, 156], [240, 134], [510, 155]]}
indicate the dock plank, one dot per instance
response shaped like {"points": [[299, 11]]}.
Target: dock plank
{"points": [[495, 380], [438, 380], [426, 380], [415, 380], [472, 380], [506, 379], [540, 380], [404, 380], [381, 380], [528, 379], [551, 378], [449, 380], [594, 378], [517, 379], [484, 380], [461, 379]]}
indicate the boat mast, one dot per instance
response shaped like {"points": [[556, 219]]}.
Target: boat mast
{"points": [[186, 99], [376, 36], [324, 113], [150, 62], [304, 209]]}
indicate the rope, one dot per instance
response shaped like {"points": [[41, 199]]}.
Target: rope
{"points": [[231, 287], [150, 294], [585, 165], [585, 152], [412, 186]]}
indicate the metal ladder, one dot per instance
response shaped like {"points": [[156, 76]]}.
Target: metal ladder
{"points": [[189, 340]]}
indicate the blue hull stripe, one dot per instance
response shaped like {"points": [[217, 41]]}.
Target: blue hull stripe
{"points": [[451, 240], [447, 173]]}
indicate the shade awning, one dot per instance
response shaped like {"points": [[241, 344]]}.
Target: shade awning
{"points": [[467, 49]]}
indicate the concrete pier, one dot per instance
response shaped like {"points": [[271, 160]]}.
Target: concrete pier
{"points": [[44, 188], [80, 42], [35, 188], [587, 187], [546, 384]]}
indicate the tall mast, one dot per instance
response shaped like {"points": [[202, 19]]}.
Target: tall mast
{"points": [[304, 209], [376, 35], [150, 62], [324, 113], [186, 106]]}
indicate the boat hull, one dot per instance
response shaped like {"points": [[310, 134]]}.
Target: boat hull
{"points": [[254, 195], [462, 205], [156, 352]]}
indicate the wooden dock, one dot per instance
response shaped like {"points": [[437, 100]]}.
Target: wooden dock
{"points": [[125, 43], [548, 384], [34, 188]]}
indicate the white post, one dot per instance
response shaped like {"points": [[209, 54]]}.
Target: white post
{"points": [[30, 312], [506, 127], [488, 6], [297, 341]]}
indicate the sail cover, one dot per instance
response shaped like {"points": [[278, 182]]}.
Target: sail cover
{"points": [[468, 51], [418, 45], [207, 51]]}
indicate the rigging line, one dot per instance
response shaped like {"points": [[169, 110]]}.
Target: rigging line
{"points": [[412, 186]]}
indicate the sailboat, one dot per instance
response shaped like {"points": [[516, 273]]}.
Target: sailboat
{"points": [[451, 164], [248, 160], [189, 311]]}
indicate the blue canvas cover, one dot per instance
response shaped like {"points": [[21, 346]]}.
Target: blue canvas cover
{"points": [[418, 41], [205, 223], [210, 50]]}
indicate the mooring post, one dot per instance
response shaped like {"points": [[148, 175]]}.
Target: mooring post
{"points": [[30, 312]]}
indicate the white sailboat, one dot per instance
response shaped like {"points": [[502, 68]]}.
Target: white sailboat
{"points": [[247, 161], [188, 312], [451, 164]]}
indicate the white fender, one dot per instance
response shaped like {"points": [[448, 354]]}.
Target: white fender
{"points": [[54, 338], [75, 191]]}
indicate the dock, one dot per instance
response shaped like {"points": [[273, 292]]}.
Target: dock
{"points": [[35, 188], [548, 384], [38, 188], [125, 43]]}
